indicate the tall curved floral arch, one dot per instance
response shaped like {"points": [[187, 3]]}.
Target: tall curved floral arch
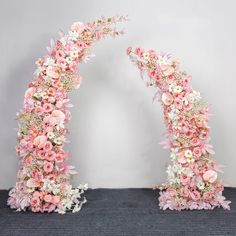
{"points": [[43, 183], [193, 182]]}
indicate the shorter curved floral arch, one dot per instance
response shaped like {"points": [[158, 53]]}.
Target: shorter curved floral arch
{"points": [[43, 183], [192, 175]]}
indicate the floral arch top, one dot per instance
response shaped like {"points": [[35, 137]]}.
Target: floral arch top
{"points": [[192, 175], [43, 183]]}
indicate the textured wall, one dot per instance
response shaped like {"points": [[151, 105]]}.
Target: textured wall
{"points": [[115, 128]]}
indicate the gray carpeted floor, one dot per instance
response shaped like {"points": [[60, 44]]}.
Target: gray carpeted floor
{"points": [[120, 212]]}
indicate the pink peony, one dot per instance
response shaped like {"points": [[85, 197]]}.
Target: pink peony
{"points": [[55, 199], [78, 27], [40, 141], [30, 92], [210, 176], [167, 99], [58, 115], [32, 183], [167, 70], [53, 72]]}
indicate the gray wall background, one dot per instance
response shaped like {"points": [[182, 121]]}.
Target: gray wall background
{"points": [[115, 128]]}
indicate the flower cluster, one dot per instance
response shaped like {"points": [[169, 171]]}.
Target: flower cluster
{"points": [[192, 175], [44, 176]]}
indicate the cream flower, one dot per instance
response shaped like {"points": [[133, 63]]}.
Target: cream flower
{"points": [[177, 89], [58, 140], [50, 135], [201, 185], [188, 153]]}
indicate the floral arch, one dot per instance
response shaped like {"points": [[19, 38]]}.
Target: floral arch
{"points": [[43, 180], [192, 175]]}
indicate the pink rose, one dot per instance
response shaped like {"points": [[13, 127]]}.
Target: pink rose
{"points": [[35, 202], [59, 158], [60, 54], [41, 154], [47, 146], [207, 196], [40, 141], [178, 103], [38, 110], [47, 107], [47, 166], [195, 195], [167, 99], [184, 178], [48, 198], [197, 152], [51, 177], [195, 142], [50, 156], [210, 176], [73, 66]]}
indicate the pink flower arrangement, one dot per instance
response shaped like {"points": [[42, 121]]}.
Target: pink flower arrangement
{"points": [[192, 175], [43, 183]]}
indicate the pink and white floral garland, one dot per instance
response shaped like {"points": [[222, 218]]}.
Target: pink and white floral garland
{"points": [[192, 175], [44, 176]]}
